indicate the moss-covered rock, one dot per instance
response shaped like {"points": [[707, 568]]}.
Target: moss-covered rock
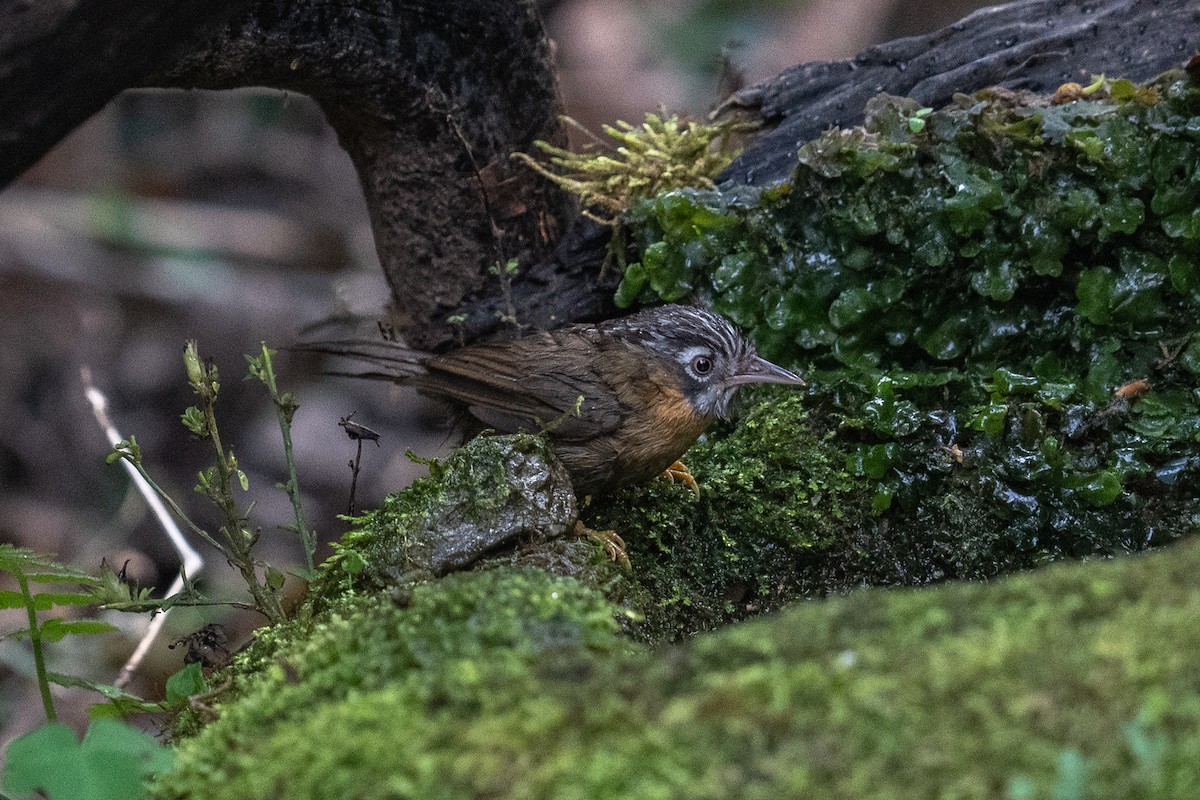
{"points": [[775, 499], [455, 641], [494, 491], [1075, 681]]}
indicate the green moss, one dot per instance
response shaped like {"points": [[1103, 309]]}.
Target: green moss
{"points": [[488, 493], [773, 496], [455, 641], [1074, 681], [978, 293]]}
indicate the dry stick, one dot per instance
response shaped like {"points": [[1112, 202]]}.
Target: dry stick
{"points": [[354, 466], [357, 432], [192, 561]]}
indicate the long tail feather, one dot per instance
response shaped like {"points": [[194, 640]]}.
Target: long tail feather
{"points": [[394, 361]]}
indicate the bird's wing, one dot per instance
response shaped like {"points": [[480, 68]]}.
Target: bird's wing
{"points": [[543, 382]]}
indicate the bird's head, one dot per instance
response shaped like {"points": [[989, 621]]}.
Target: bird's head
{"points": [[708, 356]]}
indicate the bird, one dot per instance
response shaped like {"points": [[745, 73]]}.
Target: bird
{"points": [[620, 401]]}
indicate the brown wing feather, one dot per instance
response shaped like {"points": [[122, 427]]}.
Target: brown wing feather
{"points": [[531, 384]]}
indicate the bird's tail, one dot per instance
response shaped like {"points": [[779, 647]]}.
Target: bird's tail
{"points": [[391, 360]]}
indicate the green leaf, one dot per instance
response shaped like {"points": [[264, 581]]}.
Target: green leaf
{"points": [[193, 419], [55, 629], [121, 701], [871, 460], [62, 577], [1073, 770], [997, 281], [13, 599], [882, 500], [275, 579], [851, 306], [43, 760], [65, 598], [990, 419], [39, 568], [353, 562], [1122, 215], [632, 283], [1005, 382], [111, 763], [185, 683], [1100, 489], [1095, 291]]}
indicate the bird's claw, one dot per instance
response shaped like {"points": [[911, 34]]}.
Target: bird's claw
{"points": [[614, 545], [679, 473]]}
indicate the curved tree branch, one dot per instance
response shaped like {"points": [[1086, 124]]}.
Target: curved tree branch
{"points": [[429, 98], [61, 62]]}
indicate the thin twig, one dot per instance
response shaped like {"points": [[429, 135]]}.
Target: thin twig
{"points": [[354, 467], [192, 561]]}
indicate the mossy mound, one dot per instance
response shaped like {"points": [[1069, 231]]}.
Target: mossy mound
{"points": [[775, 499], [997, 303], [366, 662], [1075, 681]]}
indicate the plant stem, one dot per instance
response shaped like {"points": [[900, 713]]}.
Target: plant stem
{"points": [[35, 636], [240, 541], [284, 409], [170, 501]]}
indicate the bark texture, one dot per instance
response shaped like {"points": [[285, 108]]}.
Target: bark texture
{"points": [[60, 62], [1035, 45], [429, 99]]}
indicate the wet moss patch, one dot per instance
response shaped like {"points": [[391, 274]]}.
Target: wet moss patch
{"points": [[774, 497], [997, 303]]}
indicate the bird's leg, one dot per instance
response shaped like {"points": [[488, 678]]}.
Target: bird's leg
{"points": [[679, 472], [614, 545]]}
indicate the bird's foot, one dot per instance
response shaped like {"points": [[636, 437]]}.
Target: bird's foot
{"points": [[614, 545], [679, 473]]}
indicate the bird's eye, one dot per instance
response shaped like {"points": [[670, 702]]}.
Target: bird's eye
{"points": [[702, 365]]}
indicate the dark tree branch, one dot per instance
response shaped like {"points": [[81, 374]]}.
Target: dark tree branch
{"points": [[1035, 45], [61, 62], [429, 98], [430, 102]]}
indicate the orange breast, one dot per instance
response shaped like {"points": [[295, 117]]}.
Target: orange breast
{"points": [[655, 437]]}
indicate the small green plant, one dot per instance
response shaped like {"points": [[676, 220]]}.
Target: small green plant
{"points": [[111, 763], [505, 272], [27, 568], [661, 154], [260, 367], [114, 759], [237, 538]]}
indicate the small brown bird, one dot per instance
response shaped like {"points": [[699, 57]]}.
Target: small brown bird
{"points": [[620, 400]]}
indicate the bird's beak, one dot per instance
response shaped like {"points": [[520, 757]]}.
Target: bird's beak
{"points": [[758, 370]]}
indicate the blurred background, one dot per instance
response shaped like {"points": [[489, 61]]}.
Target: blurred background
{"points": [[234, 218]]}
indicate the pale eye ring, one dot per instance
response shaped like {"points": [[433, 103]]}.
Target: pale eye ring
{"points": [[702, 365]]}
